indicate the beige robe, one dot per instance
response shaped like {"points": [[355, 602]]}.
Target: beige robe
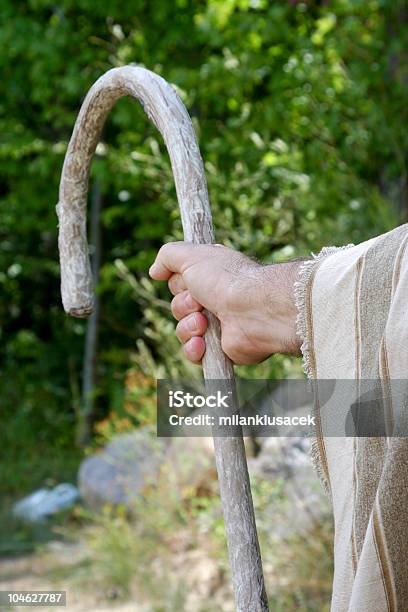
{"points": [[353, 320]]}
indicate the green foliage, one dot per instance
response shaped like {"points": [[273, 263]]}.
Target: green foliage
{"points": [[298, 107], [148, 554]]}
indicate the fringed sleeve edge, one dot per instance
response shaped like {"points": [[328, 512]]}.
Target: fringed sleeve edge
{"points": [[302, 290]]}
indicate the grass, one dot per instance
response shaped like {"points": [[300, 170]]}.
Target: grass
{"points": [[149, 553]]}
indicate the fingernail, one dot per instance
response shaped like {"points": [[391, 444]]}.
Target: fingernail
{"points": [[177, 284], [189, 302], [193, 353], [192, 323]]}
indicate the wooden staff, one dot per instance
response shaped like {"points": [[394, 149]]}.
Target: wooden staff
{"points": [[165, 109]]}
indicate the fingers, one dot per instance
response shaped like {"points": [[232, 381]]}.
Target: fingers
{"points": [[184, 304], [193, 325], [176, 284], [172, 260], [173, 257], [194, 349]]}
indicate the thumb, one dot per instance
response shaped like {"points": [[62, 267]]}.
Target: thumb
{"points": [[174, 257]]}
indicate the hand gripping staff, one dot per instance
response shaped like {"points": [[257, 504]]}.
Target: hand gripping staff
{"points": [[165, 109]]}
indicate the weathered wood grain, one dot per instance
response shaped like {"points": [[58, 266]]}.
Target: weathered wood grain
{"points": [[165, 109]]}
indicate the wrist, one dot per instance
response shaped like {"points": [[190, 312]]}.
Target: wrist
{"points": [[278, 282]]}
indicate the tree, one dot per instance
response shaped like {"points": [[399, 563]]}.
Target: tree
{"points": [[298, 107]]}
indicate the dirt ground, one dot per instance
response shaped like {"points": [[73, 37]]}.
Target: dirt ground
{"points": [[27, 573], [56, 568]]}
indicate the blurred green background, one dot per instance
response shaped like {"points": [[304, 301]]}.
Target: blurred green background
{"points": [[300, 110]]}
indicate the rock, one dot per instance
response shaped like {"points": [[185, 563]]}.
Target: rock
{"points": [[43, 503], [288, 459], [120, 473], [124, 468], [190, 462], [117, 474], [281, 457]]}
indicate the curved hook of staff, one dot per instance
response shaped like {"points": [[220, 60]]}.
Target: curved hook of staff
{"points": [[167, 112], [165, 109]]}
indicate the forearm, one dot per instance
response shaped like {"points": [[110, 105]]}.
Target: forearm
{"points": [[278, 297]]}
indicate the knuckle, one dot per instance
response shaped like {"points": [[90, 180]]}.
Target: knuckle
{"points": [[200, 323], [181, 331], [178, 306], [175, 284], [191, 358], [165, 250], [171, 283], [175, 311], [162, 250]]}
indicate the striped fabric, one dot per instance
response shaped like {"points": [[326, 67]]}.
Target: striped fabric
{"points": [[353, 321]]}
